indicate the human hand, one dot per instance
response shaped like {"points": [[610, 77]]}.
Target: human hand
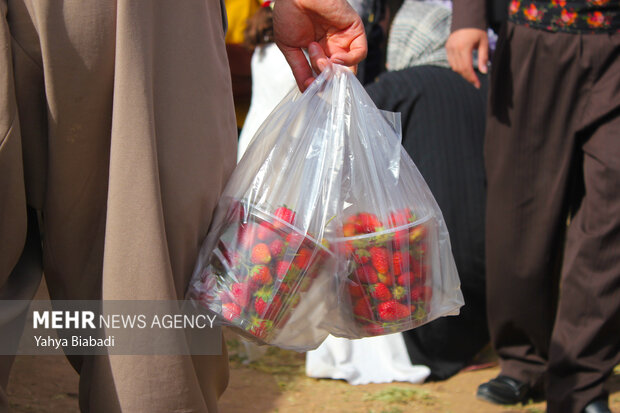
{"points": [[459, 48], [330, 29]]}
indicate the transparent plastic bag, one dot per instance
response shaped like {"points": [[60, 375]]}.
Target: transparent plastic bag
{"points": [[276, 264]]}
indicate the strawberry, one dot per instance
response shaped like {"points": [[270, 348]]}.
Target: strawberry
{"points": [[282, 268], [261, 275], [260, 306], [362, 310], [400, 217], [265, 232], [400, 262], [380, 292], [393, 310], [406, 279], [355, 290], [366, 274], [386, 278], [361, 256], [367, 223], [273, 308], [231, 311], [276, 248], [294, 240], [285, 214], [240, 293], [348, 230], [260, 254], [259, 328], [283, 288], [417, 233], [421, 293], [302, 260], [379, 259]]}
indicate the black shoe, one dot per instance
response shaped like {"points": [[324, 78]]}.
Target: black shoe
{"points": [[503, 390], [597, 406]]}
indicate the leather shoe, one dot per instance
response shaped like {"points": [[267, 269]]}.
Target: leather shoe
{"points": [[597, 406], [503, 390]]}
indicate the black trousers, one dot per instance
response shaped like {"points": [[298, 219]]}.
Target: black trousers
{"points": [[552, 153], [443, 120]]}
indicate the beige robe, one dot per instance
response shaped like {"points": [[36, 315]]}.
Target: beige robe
{"points": [[117, 124]]}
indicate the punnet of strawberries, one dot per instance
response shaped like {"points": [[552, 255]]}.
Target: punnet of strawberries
{"points": [[387, 284], [259, 270]]}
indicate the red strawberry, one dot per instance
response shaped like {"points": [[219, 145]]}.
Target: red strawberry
{"points": [[261, 275], [393, 310], [231, 311], [355, 290], [366, 274], [367, 223], [400, 217], [241, 293], [265, 232], [417, 233], [379, 259], [361, 309], [400, 261], [283, 288], [260, 306], [273, 308], [276, 248], [294, 240], [361, 256], [348, 229], [386, 278], [259, 328], [302, 260], [407, 279], [421, 293], [260, 254], [380, 292], [282, 268], [285, 215]]}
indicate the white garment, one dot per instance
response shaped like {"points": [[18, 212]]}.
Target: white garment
{"points": [[272, 79], [380, 359]]}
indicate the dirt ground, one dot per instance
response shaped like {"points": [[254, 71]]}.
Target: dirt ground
{"points": [[277, 383]]}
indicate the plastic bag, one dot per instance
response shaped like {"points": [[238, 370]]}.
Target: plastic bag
{"points": [[281, 264]]}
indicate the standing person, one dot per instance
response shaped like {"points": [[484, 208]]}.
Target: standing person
{"points": [[117, 128], [552, 152]]}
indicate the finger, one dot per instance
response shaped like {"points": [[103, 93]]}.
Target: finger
{"points": [[358, 49], [467, 68], [483, 55], [318, 59], [299, 65]]}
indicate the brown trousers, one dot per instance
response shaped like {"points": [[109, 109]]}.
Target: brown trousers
{"points": [[117, 124], [552, 150]]}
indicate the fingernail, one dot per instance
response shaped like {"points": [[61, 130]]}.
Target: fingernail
{"points": [[338, 61], [313, 49], [322, 64]]}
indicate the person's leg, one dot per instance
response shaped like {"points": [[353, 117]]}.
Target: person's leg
{"points": [[140, 141], [20, 267], [529, 161], [585, 346]]}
